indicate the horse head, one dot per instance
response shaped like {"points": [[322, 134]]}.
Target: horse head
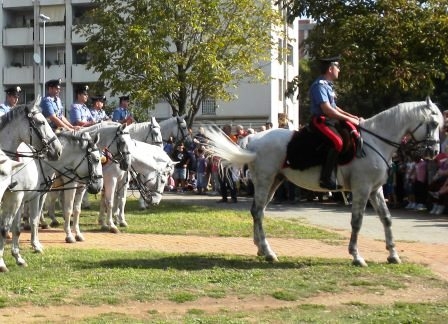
{"points": [[95, 169], [124, 143], [425, 134]]}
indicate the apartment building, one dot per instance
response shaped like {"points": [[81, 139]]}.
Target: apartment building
{"points": [[39, 44]]}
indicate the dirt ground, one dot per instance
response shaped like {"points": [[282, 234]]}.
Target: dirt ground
{"points": [[435, 256]]}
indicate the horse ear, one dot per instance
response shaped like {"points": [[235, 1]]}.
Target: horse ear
{"points": [[428, 101], [37, 101], [97, 138]]}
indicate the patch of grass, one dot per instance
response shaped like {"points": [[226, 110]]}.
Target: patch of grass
{"points": [[182, 297], [180, 219], [284, 295]]}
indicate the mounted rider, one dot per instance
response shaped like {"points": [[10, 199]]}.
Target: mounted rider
{"points": [[52, 108], [97, 110], [12, 98], [325, 115]]}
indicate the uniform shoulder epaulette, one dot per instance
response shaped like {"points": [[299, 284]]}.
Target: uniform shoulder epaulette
{"points": [[323, 82]]}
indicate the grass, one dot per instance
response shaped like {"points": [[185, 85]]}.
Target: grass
{"points": [[180, 219], [89, 278]]}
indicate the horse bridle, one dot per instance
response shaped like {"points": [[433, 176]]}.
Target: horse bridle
{"points": [[37, 154], [90, 149], [121, 152], [146, 193], [428, 140], [152, 133]]}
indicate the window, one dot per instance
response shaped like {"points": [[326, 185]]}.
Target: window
{"points": [[280, 90], [209, 106], [290, 56]]}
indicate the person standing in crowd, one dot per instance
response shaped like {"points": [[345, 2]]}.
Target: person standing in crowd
{"points": [[97, 111], [269, 125], [12, 98], [181, 158], [325, 114], [226, 182], [52, 108], [122, 114], [79, 112], [201, 170]]}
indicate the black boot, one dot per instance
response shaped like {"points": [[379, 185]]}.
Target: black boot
{"points": [[326, 180]]}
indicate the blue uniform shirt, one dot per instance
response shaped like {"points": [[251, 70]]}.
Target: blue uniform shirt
{"points": [[51, 106], [4, 108], [321, 91], [119, 114], [98, 115], [79, 112]]}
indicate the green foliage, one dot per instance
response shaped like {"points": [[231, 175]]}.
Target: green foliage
{"points": [[392, 50], [179, 51]]}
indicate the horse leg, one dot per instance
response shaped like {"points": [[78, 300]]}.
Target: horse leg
{"points": [[15, 247], [142, 203], [80, 193], [358, 208], [109, 193], [69, 197], [379, 204], [262, 196], [35, 210], [4, 230], [120, 203], [51, 206], [102, 213]]}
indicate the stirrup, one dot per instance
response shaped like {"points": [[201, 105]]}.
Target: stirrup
{"points": [[329, 184]]}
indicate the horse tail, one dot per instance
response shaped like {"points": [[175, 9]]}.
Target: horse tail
{"points": [[220, 145]]}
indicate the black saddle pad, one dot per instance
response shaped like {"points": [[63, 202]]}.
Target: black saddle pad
{"points": [[308, 148]]}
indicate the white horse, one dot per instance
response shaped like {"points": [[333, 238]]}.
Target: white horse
{"points": [[80, 161], [176, 127], [151, 167], [115, 142], [266, 155], [27, 124], [148, 132]]}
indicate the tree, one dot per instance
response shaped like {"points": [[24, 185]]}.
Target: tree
{"points": [[392, 50], [179, 51]]}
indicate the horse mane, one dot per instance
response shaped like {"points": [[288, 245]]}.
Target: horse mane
{"points": [[96, 127], [11, 115], [137, 127], [397, 114], [76, 137]]}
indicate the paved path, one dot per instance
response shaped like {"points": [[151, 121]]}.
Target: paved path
{"points": [[420, 237]]}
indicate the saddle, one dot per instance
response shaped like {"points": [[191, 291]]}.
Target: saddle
{"points": [[308, 148]]}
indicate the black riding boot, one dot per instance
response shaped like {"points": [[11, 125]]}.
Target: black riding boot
{"points": [[326, 180]]}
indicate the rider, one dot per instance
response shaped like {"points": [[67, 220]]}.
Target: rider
{"points": [[121, 113], [79, 113], [325, 113], [12, 97], [52, 108], [97, 110]]}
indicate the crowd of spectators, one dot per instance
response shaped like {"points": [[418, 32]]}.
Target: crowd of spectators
{"points": [[413, 183]]}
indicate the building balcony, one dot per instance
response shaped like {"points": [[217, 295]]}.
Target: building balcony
{"points": [[53, 72], [54, 35], [18, 75], [78, 39], [17, 3], [80, 74], [22, 36]]}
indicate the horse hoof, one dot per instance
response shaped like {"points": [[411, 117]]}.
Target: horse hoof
{"points": [[114, 230], [4, 269], [359, 263], [22, 264], [123, 224], [79, 238], [54, 223], [271, 258], [394, 260], [8, 236], [44, 225], [70, 239], [104, 228]]}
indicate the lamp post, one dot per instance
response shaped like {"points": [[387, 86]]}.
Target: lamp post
{"points": [[44, 20]]}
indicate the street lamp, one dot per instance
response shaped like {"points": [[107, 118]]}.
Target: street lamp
{"points": [[44, 20]]}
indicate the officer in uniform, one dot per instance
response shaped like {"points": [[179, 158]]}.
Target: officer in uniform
{"points": [[12, 97], [98, 114], [122, 114], [325, 114], [79, 112], [52, 108]]}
